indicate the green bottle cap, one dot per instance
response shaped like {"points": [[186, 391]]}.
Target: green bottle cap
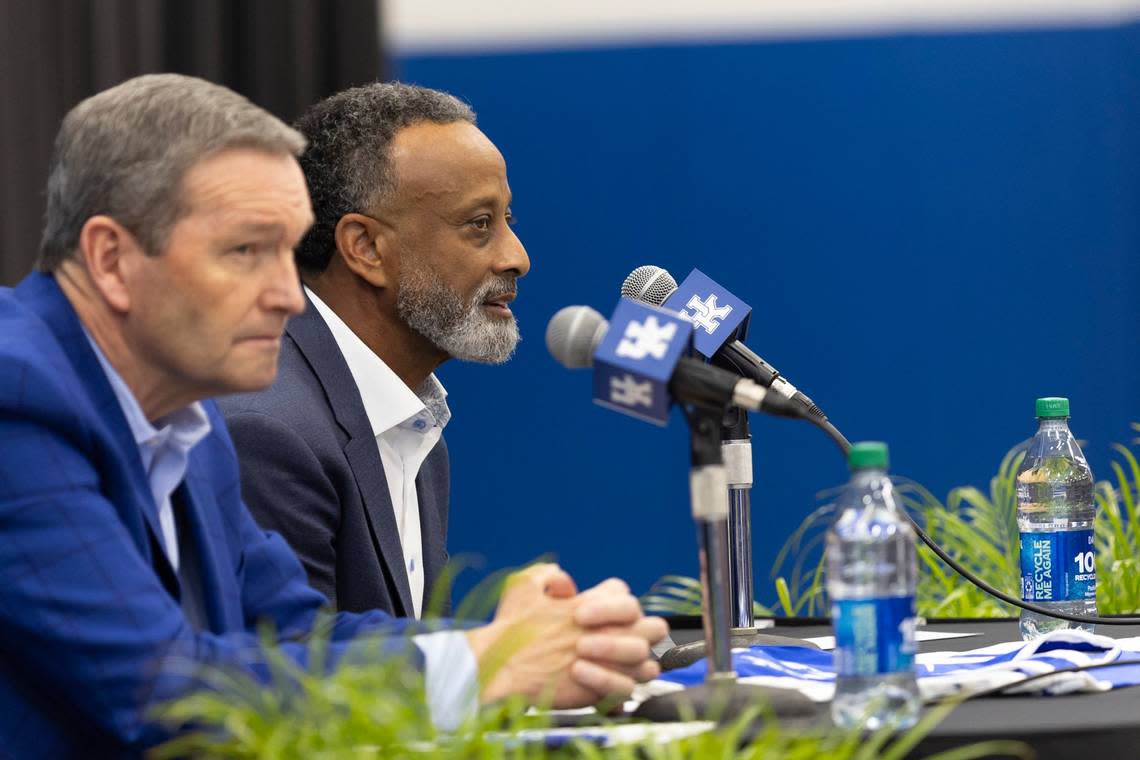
{"points": [[1052, 407], [868, 455]]}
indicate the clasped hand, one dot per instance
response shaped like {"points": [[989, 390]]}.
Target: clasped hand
{"points": [[561, 648]]}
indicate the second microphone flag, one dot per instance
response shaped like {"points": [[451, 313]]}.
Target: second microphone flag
{"points": [[716, 314]]}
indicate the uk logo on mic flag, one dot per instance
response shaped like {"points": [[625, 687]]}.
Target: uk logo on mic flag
{"points": [[716, 314], [633, 363]]}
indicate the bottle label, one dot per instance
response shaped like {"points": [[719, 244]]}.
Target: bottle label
{"points": [[1058, 566], [874, 636]]}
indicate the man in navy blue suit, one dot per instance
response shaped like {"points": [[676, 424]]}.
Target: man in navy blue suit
{"points": [[167, 275], [411, 261]]}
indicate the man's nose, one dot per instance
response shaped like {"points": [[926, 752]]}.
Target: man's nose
{"points": [[283, 291], [514, 257]]}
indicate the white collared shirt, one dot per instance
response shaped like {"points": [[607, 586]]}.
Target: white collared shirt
{"points": [[407, 425]]}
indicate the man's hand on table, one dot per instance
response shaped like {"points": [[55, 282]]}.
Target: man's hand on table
{"points": [[561, 648]]}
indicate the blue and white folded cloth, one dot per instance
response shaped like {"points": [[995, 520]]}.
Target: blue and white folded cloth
{"points": [[941, 674]]}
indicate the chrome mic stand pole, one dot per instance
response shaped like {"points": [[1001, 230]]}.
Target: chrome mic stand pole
{"points": [[709, 493], [721, 697], [736, 448], [727, 541], [736, 443]]}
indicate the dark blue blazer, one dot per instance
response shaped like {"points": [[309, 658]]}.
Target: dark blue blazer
{"points": [[89, 606], [311, 471]]}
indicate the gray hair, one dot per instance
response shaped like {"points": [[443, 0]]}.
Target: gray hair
{"points": [[347, 164], [124, 153]]}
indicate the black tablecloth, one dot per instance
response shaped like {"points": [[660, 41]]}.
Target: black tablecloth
{"points": [[1104, 726]]}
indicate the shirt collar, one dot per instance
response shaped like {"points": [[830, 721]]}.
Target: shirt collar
{"points": [[388, 402], [182, 428]]}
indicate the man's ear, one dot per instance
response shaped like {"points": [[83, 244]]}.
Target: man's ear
{"points": [[107, 248], [363, 245]]}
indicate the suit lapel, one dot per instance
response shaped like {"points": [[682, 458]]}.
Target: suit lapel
{"points": [[429, 484], [314, 339], [221, 600], [44, 296]]}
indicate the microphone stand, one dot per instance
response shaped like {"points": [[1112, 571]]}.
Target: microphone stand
{"points": [[709, 493], [736, 443], [736, 447], [728, 446], [721, 697]]}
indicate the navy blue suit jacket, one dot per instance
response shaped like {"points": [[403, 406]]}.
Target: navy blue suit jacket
{"points": [[311, 471], [89, 605]]}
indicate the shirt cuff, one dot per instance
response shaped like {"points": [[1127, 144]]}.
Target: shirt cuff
{"points": [[451, 677]]}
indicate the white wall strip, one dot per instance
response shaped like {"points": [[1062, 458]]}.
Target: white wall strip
{"points": [[421, 26]]}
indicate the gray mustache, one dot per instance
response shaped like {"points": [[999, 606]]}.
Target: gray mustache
{"points": [[504, 286]]}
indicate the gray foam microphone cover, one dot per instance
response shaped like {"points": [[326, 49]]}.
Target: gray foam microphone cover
{"points": [[572, 334]]}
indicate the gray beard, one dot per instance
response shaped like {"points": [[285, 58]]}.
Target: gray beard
{"points": [[462, 330]]}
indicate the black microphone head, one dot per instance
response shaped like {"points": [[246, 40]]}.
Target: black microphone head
{"points": [[649, 284], [572, 335]]}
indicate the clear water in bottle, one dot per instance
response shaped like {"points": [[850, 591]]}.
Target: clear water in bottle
{"points": [[1055, 514], [872, 570]]}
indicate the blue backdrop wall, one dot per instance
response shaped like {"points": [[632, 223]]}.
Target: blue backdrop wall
{"points": [[933, 230]]}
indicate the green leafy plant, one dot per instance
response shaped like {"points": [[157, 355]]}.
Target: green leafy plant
{"points": [[801, 591], [798, 593], [369, 707], [1118, 536], [681, 595], [979, 530], [301, 713]]}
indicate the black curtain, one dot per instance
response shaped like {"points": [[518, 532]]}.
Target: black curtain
{"points": [[283, 55]]}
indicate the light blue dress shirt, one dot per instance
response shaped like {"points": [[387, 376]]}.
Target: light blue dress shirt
{"points": [[165, 450]]}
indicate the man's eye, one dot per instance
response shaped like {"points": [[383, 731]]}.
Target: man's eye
{"points": [[481, 223], [244, 249], [511, 218]]}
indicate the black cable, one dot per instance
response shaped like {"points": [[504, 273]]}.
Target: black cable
{"points": [[746, 362], [833, 433], [845, 446], [1030, 606], [739, 358]]}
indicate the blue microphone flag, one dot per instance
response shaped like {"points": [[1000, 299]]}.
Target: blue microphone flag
{"points": [[715, 313], [636, 359]]}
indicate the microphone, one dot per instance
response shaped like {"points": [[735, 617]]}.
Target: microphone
{"points": [[654, 285], [575, 333]]}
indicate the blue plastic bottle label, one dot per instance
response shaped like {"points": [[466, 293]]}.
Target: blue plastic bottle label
{"points": [[1058, 566], [874, 636]]}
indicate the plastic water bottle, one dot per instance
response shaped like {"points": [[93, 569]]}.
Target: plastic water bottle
{"points": [[872, 570], [1055, 513]]}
